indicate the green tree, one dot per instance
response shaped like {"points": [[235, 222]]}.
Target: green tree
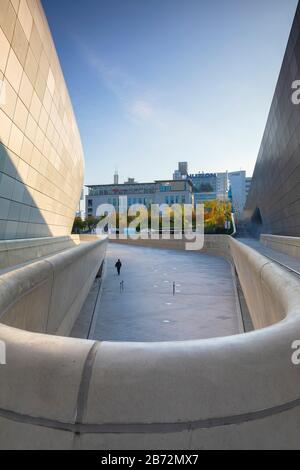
{"points": [[79, 225]]}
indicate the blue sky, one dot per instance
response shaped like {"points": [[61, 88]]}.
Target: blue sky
{"points": [[154, 82]]}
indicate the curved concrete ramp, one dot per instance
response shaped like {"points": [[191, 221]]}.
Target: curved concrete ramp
{"points": [[202, 304], [238, 392]]}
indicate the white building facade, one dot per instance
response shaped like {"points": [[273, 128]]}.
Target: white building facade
{"points": [[239, 189]]}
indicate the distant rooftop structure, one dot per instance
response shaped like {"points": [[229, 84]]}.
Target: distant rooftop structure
{"points": [[181, 172]]}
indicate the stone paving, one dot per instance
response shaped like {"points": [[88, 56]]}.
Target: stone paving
{"points": [[205, 304]]}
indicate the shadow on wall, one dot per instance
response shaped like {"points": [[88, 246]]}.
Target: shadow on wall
{"points": [[257, 218], [19, 215], [257, 223]]}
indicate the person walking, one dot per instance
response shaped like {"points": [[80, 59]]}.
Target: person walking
{"points": [[118, 265]]}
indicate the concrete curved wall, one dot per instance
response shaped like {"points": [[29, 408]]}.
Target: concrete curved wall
{"points": [[238, 392], [288, 245], [41, 158], [46, 295]]}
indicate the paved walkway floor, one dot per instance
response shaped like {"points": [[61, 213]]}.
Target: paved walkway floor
{"points": [[205, 304], [289, 261]]}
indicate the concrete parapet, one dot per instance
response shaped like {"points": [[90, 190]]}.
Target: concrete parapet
{"points": [[213, 244], [46, 296], [288, 245], [239, 392]]}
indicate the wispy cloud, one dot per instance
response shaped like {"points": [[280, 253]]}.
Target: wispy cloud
{"points": [[144, 105], [142, 110], [138, 101]]}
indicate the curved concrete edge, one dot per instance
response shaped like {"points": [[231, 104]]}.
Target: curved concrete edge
{"points": [[16, 252], [287, 245], [236, 392], [46, 296], [213, 244], [43, 374]]}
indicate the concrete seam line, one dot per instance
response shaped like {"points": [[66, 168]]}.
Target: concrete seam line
{"points": [[261, 270], [150, 428], [85, 383]]}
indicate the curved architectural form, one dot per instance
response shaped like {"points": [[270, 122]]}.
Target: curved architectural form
{"points": [[41, 158], [273, 204], [239, 392]]}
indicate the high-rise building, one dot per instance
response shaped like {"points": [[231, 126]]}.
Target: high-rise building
{"points": [[210, 186], [222, 186], [248, 186], [181, 172], [183, 168], [237, 181]]}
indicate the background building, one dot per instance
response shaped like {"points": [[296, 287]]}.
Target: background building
{"points": [[239, 189], [222, 186], [210, 186], [159, 192], [41, 158], [181, 172], [248, 185], [116, 178], [274, 197], [237, 180]]}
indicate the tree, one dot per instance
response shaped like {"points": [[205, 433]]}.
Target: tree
{"points": [[79, 225], [92, 222]]}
